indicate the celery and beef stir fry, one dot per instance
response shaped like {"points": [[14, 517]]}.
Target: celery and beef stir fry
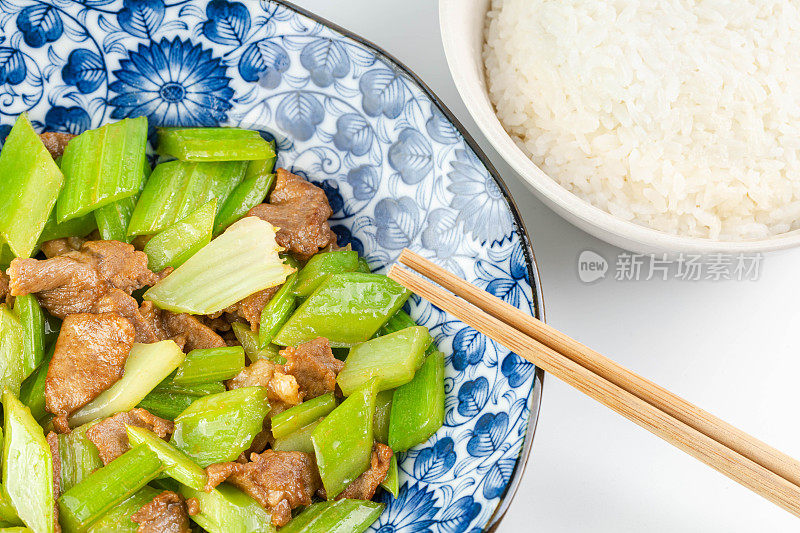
{"points": [[185, 348]]}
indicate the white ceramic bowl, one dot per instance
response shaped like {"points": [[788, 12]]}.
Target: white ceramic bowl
{"points": [[462, 23]]}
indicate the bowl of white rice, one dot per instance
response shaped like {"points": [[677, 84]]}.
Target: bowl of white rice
{"points": [[661, 127]]}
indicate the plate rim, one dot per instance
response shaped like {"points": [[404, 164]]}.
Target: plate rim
{"points": [[530, 258]]}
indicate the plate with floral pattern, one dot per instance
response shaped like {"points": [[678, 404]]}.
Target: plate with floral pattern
{"points": [[398, 169]]}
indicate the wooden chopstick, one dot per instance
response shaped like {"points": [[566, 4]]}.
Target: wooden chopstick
{"points": [[675, 406], [736, 466]]}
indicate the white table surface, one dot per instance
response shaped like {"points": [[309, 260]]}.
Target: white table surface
{"points": [[591, 470]]}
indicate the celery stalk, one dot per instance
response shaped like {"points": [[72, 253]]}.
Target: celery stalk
{"points": [[257, 183], [321, 266], [177, 464], [297, 441], [400, 320], [27, 466], [180, 241], [383, 410], [277, 311], [418, 406], [343, 440], [299, 523], [392, 481], [175, 189], [209, 365], [238, 263], [146, 367], [301, 415], [199, 389], [74, 227], [112, 219], [31, 392], [249, 341], [101, 166], [393, 359], [85, 503], [226, 509], [213, 144], [29, 188], [118, 519], [343, 516], [79, 457], [6, 256], [217, 428], [166, 404], [12, 342], [31, 318]]}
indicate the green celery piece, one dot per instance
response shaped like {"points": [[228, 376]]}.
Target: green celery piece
{"points": [[238, 263], [418, 406], [363, 266], [200, 389], [393, 359], [113, 219], [277, 311], [226, 509], [321, 266], [383, 409], [297, 441], [166, 405], [210, 364], [27, 466], [146, 367], [303, 414], [253, 189], [6, 256], [177, 464], [79, 457], [85, 503], [102, 166], [175, 189], [12, 342], [52, 327], [392, 481], [346, 309], [400, 320], [343, 440], [343, 516], [16, 529], [31, 318], [177, 243], [29, 188], [74, 227], [213, 144], [31, 392], [118, 519], [249, 341], [217, 428]]}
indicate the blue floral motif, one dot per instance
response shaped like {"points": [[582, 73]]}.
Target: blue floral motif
{"points": [[326, 60], [85, 70], [479, 201], [394, 167], [435, 461], [264, 62], [353, 134], [228, 22], [141, 18], [12, 66], [411, 512], [299, 114], [40, 24], [5, 129], [172, 83], [382, 91], [69, 119], [489, 432], [411, 156]]}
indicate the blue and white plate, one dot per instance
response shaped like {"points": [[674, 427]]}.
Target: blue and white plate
{"points": [[399, 171]]}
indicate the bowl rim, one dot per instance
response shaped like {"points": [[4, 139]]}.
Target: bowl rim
{"points": [[600, 223], [535, 398]]}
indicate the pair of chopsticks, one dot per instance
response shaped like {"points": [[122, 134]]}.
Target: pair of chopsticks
{"points": [[743, 458]]}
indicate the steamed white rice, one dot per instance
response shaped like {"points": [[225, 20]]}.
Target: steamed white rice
{"points": [[679, 115]]}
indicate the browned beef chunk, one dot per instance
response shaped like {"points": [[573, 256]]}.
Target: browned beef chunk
{"points": [[110, 436], [165, 514], [4, 289], [52, 441], [219, 472], [300, 211], [193, 506], [76, 281], [281, 388], [279, 481], [55, 142], [313, 366], [249, 309], [365, 485], [62, 246], [186, 330], [89, 357], [123, 304]]}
